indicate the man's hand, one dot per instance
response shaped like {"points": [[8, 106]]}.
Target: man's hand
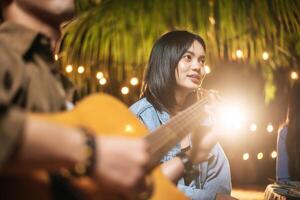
{"points": [[121, 163]]}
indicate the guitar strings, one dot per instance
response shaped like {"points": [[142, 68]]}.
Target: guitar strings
{"points": [[179, 120], [170, 132], [166, 137]]}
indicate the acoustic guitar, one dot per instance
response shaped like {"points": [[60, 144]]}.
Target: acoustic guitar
{"points": [[105, 115]]}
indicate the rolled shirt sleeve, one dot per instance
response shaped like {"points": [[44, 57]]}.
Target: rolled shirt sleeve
{"points": [[11, 118], [11, 127]]}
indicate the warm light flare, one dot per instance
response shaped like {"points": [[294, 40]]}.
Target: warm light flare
{"points": [[102, 81], [270, 128], [125, 90], [239, 53], [265, 55], [294, 75], [274, 154], [260, 156], [69, 68], [207, 69], [231, 117], [81, 69], [246, 156], [253, 127], [99, 75], [134, 81]]}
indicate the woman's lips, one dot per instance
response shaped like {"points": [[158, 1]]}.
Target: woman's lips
{"points": [[195, 78]]}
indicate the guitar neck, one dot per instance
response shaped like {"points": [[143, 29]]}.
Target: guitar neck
{"points": [[169, 134]]}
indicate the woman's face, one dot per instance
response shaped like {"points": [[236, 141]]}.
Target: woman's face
{"points": [[190, 70]]}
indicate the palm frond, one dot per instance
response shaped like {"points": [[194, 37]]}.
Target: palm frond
{"points": [[116, 36]]}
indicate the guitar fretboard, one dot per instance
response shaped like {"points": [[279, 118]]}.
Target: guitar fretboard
{"points": [[169, 134]]}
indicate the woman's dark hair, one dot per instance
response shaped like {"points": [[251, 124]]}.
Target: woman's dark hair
{"points": [[159, 80], [293, 135], [3, 4]]}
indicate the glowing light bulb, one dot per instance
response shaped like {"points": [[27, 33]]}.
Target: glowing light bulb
{"points": [[270, 128], [212, 20], [69, 68], [125, 90], [207, 69], [134, 81], [99, 75], [80, 69], [274, 154], [102, 81], [260, 156], [246, 156], [294, 75], [56, 57], [265, 55], [239, 53]]}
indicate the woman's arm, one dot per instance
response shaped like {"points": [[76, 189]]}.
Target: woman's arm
{"points": [[216, 179]]}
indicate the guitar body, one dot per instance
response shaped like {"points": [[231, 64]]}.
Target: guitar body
{"points": [[105, 115]]}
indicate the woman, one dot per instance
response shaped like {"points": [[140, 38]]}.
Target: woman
{"points": [[288, 142], [174, 75]]}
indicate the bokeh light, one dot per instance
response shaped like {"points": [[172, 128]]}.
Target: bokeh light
{"points": [[124, 90]]}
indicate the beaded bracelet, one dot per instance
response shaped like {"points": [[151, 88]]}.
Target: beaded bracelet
{"points": [[86, 168], [189, 172]]}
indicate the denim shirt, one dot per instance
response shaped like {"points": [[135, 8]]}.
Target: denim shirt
{"points": [[214, 174]]}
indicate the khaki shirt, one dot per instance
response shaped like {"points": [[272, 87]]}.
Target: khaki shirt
{"points": [[29, 81]]}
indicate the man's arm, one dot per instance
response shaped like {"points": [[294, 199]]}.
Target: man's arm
{"points": [[50, 146]]}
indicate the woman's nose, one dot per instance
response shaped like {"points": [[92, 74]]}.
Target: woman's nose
{"points": [[197, 66]]}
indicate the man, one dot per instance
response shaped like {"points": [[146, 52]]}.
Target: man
{"points": [[30, 82]]}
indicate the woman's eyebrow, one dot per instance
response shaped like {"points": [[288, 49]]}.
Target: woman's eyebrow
{"points": [[190, 52]]}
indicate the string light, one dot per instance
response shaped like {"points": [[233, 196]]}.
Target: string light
{"points": [[102, 81], [294, 75], [124, 90], [270, 128], [69, 68], [260, 156], [207, 69], [212, 20], [99, 75], [246, 156], [265, 55], [134, 81], [239, 53], [253, 127], [80, 69], [274, 154], [56, 57]]}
